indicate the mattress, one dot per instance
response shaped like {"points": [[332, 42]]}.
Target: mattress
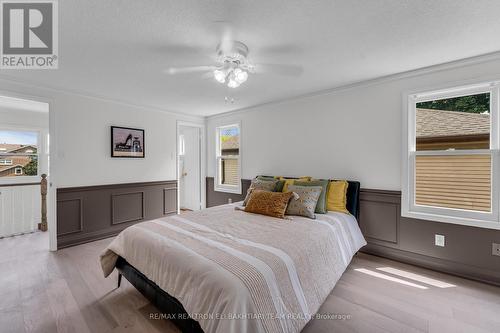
{"points": [[235, 271]]}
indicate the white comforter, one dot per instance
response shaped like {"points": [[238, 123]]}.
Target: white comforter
{"points": [[239, 272]]}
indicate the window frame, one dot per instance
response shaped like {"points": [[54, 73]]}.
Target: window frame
{"points": [[409, 208], [23, 179], [235, 189]]}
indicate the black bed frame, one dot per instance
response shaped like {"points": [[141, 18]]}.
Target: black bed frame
{"points": [[168, 304]]}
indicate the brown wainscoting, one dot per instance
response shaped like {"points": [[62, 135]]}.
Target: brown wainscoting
{"points": [[467, 252], [215, 198], [89, 213]]}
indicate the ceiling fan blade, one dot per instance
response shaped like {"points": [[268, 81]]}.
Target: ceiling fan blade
{"points": [[179, 50], [189, 69], [289, 70], [280, 49], [207, 75]]}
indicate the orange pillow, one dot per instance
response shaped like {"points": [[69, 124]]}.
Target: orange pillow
{"points": [[268, 203]]}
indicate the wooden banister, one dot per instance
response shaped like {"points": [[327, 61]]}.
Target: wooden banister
{"points": [[43, 190]]}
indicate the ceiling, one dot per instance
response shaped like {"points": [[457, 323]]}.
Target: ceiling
{"points": [[118, 49]]}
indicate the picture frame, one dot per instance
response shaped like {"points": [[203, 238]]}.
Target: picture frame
{"points": [[127, 142]]}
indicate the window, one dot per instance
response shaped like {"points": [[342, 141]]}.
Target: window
{"points": [[451, 171], [228, 152], [18, 153]]}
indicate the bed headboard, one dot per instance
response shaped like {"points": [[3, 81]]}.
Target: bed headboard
{"points": [[353, 198]]}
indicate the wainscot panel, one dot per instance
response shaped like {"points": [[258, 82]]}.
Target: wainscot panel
{"points": [[216, 198], [467, 250], [89, 213]]}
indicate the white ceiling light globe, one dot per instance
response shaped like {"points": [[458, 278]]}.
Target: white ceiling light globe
{"points": [[233, 84], [220, 76], [241, 76]]}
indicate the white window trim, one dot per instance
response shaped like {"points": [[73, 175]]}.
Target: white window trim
{"points": [[236, 189], [409, 209], [18, 173]]}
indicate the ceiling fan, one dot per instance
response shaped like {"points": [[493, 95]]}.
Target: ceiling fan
{"points": [[233, 67]]}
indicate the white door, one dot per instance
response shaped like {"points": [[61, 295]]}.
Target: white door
{"points": [[189, 168]]}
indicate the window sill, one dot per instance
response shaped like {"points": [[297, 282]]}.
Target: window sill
{"points": [[20, 180], [470, 222], [228, 189]]}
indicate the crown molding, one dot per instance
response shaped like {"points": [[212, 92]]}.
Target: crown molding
{"points": [[371, 82], [14, 80]]}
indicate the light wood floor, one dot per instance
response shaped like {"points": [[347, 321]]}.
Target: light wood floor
{"points": [[66, 292]]}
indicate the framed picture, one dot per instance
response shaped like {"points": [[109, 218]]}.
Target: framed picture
{"points": [[127, 142]]}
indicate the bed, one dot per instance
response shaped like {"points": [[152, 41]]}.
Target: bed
{"points": [[233, 271]]}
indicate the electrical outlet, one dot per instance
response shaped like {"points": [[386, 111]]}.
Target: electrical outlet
{"points": [[439, 240], [495, 249]]}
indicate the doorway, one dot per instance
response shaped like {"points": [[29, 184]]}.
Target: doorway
{"points": [[189, 166], [24, 167]]}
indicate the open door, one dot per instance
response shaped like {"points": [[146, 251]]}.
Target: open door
{"points": [[24, 164], [189, 167]]}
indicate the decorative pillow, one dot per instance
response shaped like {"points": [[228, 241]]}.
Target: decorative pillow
{"points": [[337, 196], [268, 203], [290, 181], [266, 178], [279, 184], [258, 184], [321, 205], [306, 203]]}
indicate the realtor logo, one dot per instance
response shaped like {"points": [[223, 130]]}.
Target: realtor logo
{"points": [[29, 34]]}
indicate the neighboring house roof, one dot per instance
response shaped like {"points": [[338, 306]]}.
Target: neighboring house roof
{"points": [[7, 167], [11, 148], [231, 142], [441, 123]]}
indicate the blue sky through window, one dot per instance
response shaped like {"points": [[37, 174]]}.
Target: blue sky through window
{"points": [[18, 137]]}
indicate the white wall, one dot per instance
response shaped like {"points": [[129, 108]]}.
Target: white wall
{"points": [[352, 133], [23, 118], [80, 137]]}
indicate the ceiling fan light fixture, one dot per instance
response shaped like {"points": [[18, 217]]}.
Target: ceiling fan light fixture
{"points": [[233, 84], [220, 76], [240, 75]]}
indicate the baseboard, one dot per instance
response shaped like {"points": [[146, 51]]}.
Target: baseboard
{"points": [[436, 264], [86, 239]]}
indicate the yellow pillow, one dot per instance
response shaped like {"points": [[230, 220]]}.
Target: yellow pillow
{"points": [[336, 199], [291, 181]]}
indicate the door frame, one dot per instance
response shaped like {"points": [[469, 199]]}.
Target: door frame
{"points": [[51, 167], [201, 127]]}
